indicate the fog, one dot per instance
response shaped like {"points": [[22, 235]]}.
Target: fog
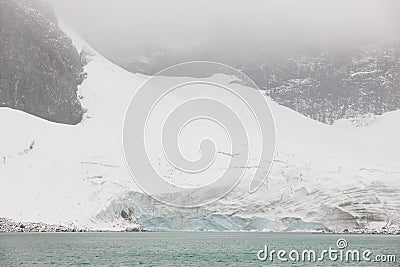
{"points": [[232, 27]]}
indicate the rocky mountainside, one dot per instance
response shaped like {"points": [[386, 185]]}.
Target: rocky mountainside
{"points": [[324, 85], [40, 69], [327, 87]]}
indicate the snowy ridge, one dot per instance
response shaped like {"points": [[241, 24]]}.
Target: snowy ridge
{"points": [[323, 176]]}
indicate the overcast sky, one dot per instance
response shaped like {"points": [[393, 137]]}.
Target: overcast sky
{"points": [[228, 25]]}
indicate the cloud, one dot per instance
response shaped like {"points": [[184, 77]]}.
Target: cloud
{"points": [[225, 26]]}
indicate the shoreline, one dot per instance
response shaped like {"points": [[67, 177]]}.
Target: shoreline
{"points": [[12, 226]]}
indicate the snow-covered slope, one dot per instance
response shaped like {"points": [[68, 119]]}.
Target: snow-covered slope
{"points": [[71, 172], [323, 176]]}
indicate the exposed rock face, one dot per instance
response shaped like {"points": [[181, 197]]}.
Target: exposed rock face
{"points": [[40, 69]]}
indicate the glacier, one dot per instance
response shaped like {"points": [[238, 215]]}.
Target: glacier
{"points": [[324, 177]]}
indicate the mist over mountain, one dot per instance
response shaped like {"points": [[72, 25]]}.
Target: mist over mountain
{"points": [[325, 59], [226, 29]]}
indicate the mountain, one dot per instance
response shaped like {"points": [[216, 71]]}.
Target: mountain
{"points": [[323, 84], [330, 86], [323, 176], [40, 69]]}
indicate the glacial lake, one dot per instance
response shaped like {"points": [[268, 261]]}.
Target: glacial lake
{"points": [[189, 249]]}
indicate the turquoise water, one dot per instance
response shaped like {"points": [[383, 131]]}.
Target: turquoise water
{"points": [[178, 248]]}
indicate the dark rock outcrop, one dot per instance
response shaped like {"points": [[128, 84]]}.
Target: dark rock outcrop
{"points": [[40, 69]]}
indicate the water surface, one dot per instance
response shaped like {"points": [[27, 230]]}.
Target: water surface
{"points": [[179, 248]]}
